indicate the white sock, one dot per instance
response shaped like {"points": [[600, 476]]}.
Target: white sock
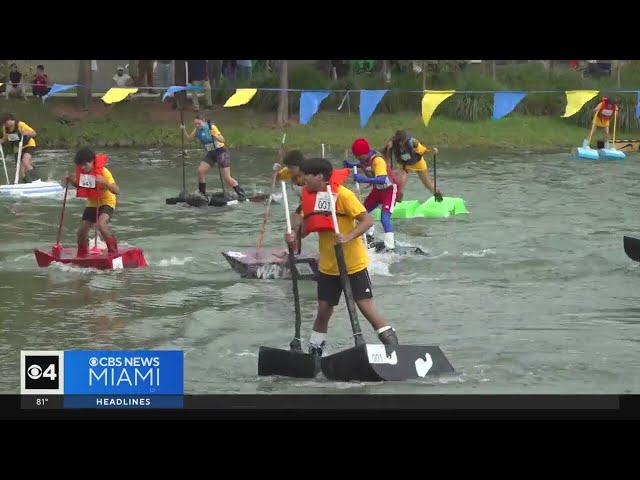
{"points": [[383, 329], [317, 338]]}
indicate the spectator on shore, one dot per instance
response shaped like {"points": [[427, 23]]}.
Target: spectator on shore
{"points": [[145, 75], [245, 69], [15, 88], [40, 83], [198, 76], [229, 68], [165, 73], [121, 79]]}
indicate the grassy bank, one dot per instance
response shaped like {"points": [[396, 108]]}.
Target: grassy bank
{"points": [[144, 122]]}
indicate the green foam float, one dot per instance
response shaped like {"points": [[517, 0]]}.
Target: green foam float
{"points": [[449, 206]]}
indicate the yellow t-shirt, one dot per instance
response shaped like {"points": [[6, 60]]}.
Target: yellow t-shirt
{"points": [[379, 167], [214, 131], [107, 198], [16, 129], [285, 175], [355, 254]]}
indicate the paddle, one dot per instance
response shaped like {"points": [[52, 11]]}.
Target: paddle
{"points": [[19, 159], [296, 344], [438, 196], [344, 278], [632, 248], [267, 208], [183, 193], [56, 248], [615, 122], [4, 164]]}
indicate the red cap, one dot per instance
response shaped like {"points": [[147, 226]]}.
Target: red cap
{"points": [[360, 147]]}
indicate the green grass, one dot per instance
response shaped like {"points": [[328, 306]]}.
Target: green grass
{"points": [[149, 123]]}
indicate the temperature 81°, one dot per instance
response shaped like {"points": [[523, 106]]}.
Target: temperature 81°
{"points": [[41, 401]]}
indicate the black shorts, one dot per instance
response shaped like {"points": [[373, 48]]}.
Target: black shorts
{"points": [[220, 156], [30, 150], [299, 209], [89, 213], [330, 288]]}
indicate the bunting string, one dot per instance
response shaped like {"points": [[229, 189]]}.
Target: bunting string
{"points": [[310, 100]]}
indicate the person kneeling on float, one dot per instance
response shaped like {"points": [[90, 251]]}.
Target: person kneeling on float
{"points": [[316, 217], [95, 182], [385, 185], [217, 153]]}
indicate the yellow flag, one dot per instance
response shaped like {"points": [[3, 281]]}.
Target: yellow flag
{"points": [[241, 97], [116, 95], [576, 100], [431, 100]]}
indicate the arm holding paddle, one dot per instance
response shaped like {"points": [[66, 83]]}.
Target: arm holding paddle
{"points": [[364, 223]]}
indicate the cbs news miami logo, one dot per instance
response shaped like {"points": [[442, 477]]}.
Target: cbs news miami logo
{"points": [[41, 372]]}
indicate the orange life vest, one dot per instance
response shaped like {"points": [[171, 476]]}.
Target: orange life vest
{"points": [[606, 110], [87, 186], [316, 206]]}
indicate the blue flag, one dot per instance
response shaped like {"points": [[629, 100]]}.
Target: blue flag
{"points": [[56, 87], [309, 103], [369, 100], [179, 88], [505, 102], [638, 107]]}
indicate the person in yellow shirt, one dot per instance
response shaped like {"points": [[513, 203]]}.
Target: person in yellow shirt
{"points": [[12, 131], [409, 153], [291, 171], [95, 182], [316, 217], [217, 153]]}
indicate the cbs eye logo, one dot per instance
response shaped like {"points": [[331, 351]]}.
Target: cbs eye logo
{"points": [[41, 373]]}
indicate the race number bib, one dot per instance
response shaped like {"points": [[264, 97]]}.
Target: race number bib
{"points": [[13, 137], [323, 202], [209, 146], [87, 181]]}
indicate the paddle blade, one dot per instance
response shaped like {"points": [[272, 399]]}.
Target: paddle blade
{"points": [[632, 248], [286, 363], [376, 362]]}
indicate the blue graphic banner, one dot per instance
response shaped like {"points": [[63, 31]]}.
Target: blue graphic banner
{"points": [[123, 401], [638, 106], [113, 372]]}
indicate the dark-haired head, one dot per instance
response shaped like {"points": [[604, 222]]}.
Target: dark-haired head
{"points": [[199, 120], [84, 158], [317, 171], [293, 160], [8, 119]]}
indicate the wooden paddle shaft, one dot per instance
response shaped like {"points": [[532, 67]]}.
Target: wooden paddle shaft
{"points": [[344, 278], [292, 265]]}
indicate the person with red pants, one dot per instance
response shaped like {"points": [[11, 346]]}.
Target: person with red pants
{"points": [[382, 178]]}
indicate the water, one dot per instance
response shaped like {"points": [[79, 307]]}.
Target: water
{"points": [[530, 293]]}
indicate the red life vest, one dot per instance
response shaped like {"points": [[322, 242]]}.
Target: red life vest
{"points": [[87, 186], [606, 110], [316, 206], [367, 168]]}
